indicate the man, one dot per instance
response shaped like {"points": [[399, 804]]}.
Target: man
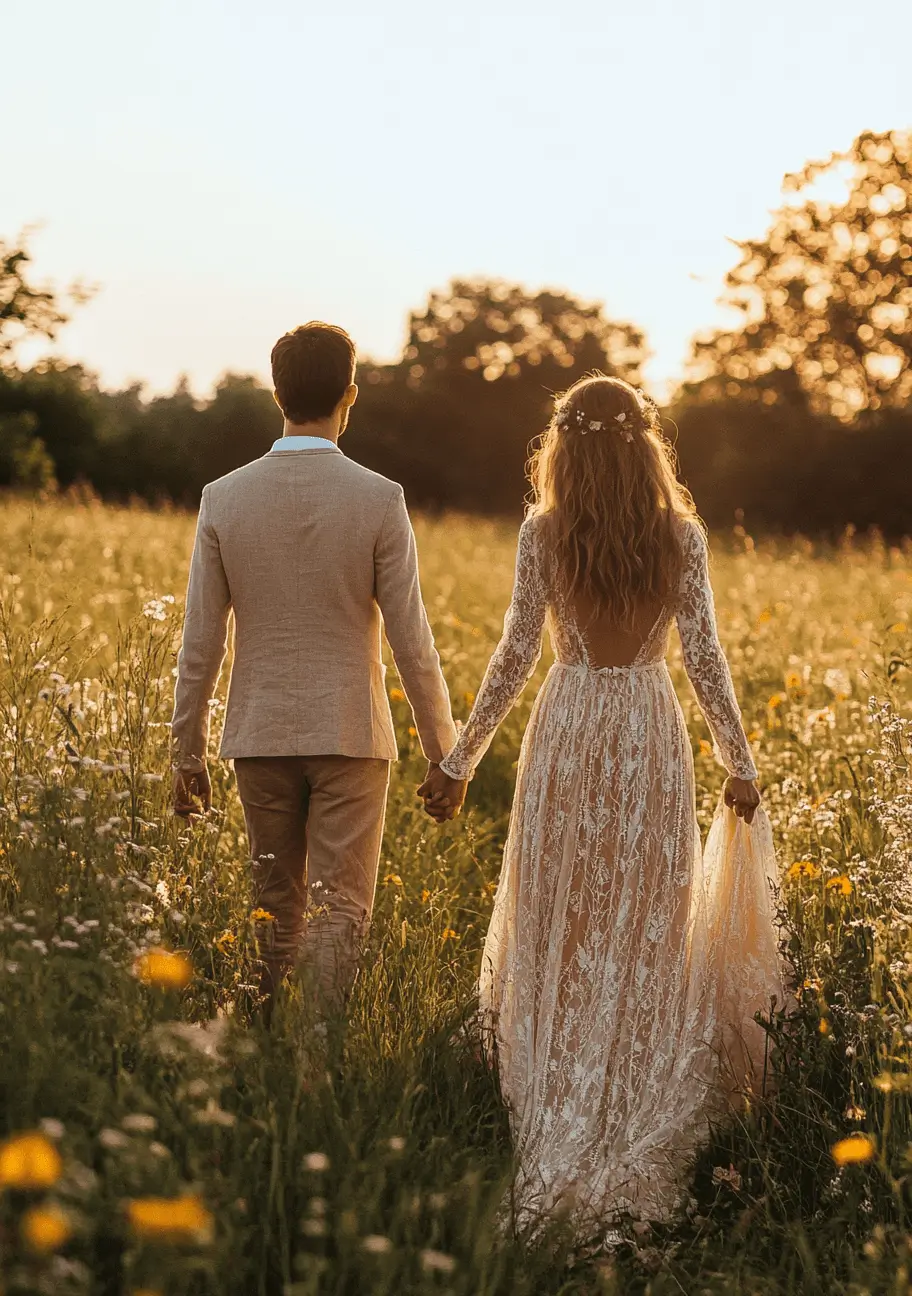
{"points": [[307, 549]]}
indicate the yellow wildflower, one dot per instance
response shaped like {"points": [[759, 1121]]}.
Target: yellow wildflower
{"points": [[755, 735], [898, 627], [170, 1218], [396, 695], [824, 1026], [394, 878], [776, 701], [29, 1161], [449, 934], [262, 915], [842, 884], [804, 868], [855, 1148], [793, 680], [46, 1228], [413, 732], [159, 967], [425, 895], [705, 748], [224, 942], [825, 716], [765, 615], [469, 698], [855, 1113]]}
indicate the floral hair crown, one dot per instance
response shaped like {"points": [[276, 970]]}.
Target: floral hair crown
{"points": [[565, 417]]}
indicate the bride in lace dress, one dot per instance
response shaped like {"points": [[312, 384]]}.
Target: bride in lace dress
{"points": [[623, 965]]}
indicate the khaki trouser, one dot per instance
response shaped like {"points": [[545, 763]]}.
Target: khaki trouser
{"points": [[315, 825]]}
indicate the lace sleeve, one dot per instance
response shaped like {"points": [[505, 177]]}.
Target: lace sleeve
{"points": [[512, 663], [704, 660]]}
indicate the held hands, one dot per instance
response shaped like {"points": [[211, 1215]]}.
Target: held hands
{"points": [[742, 796], [443, 796], [192, 792]]}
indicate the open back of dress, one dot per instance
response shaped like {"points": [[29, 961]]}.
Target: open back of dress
{"points": [[606, 644]]}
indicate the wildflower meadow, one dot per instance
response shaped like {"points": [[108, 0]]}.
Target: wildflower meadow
{"points": [[157, 1140]]}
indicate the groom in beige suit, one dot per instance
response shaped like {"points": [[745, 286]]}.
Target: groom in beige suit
{"points": [[307, 550]]}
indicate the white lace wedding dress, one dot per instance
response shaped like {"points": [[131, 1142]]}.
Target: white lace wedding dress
{"points": [[622, 963]]}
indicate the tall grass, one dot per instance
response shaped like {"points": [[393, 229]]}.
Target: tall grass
{"points": [[374, 1156]]}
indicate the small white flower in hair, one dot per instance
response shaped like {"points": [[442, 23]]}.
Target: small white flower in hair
{"points": [[620, 418], [595, 425]]}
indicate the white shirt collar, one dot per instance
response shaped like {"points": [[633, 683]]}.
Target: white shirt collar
{"points": [[286, 444]]}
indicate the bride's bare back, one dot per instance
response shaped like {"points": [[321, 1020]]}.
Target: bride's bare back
{"points": [[606, 643]]}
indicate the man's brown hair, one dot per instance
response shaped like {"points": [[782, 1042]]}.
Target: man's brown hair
{"points": [[312, 366]]}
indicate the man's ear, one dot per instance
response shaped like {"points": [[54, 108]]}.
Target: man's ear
{"points": [[351, 395], [275, 397]]}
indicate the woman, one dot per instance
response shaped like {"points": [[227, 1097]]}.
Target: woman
{"points": [[616, 957]]}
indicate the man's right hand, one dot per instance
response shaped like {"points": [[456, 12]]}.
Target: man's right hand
{"points": [[443, 796], [192, 792]]}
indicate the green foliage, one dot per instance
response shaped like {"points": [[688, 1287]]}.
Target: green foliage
{"points": [[454, 418], [777, 467], [160, 1093], [799, 416], [25, 309], [452, 421], [826, 294], [24, 461]]}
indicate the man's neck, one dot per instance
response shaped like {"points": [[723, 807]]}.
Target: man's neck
{"points": [[328, 429]]}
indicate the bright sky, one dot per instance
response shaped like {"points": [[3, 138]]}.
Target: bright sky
{"points": [[225, 170]]}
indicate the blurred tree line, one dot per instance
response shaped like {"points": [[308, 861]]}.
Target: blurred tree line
{"points": [[795, 418], [800, 415]]}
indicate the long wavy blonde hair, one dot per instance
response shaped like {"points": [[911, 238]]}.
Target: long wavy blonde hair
{"points": [[606, 488]]}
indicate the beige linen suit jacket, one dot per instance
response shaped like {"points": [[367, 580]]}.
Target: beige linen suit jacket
{"points": [[307, 549]]}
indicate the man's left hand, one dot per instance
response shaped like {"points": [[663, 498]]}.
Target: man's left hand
{"points": [[192, 792]]}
